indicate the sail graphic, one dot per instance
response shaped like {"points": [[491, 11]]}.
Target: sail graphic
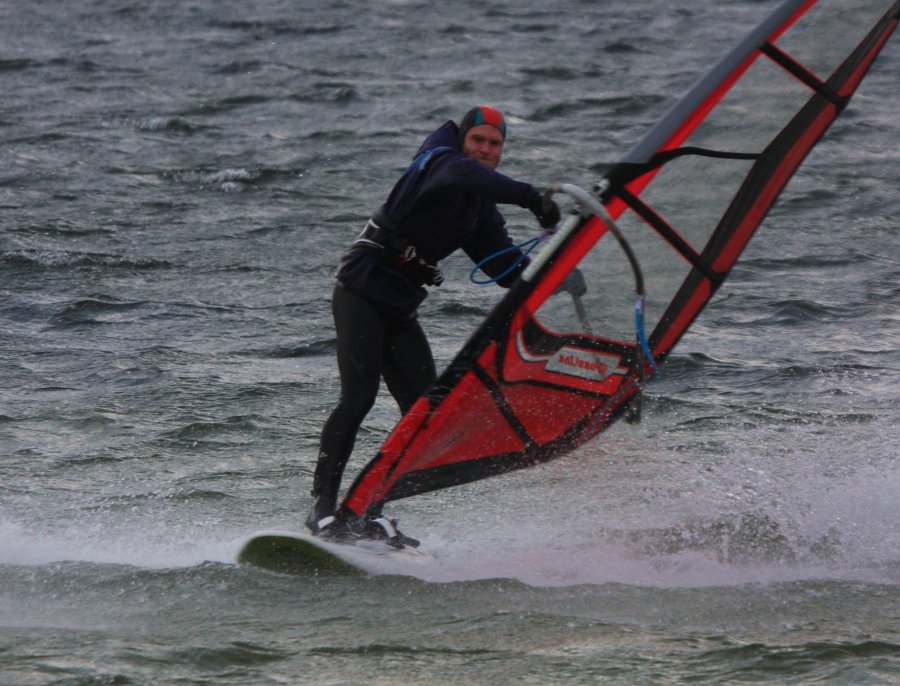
{"points": [[547, 371]]}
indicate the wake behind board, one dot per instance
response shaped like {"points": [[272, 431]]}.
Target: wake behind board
{"points": [[305, 555]]}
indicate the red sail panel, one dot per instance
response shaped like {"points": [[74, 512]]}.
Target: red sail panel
{"points": [[439, 434], [548, 413]]}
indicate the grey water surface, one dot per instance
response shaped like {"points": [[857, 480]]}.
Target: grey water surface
{"points": [[177, 182]]}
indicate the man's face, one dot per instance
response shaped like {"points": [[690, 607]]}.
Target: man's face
{"points": [[484, 144]]}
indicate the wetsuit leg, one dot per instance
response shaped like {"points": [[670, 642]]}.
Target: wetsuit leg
{"points": [[408, 370], [408, 362], [360, 334]]}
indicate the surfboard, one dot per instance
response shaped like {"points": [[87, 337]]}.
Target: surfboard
{"points": [[301, 554]]}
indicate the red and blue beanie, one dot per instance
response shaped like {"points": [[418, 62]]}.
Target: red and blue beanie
{"points": [[482, 114]]}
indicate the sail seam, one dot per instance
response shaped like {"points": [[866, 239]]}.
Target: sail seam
{"points": [[670, 235], [513, 421], [792, 66]]}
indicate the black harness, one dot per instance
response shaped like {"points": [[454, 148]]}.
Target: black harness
{"points": [[382, 239]]}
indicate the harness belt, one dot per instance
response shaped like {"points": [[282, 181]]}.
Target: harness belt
{"points": [[382, 239]]}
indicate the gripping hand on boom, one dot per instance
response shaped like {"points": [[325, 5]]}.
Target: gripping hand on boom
{"points": [[545, 209]]}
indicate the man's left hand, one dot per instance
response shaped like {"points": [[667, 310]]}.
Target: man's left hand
{"points": [[545, 209]]}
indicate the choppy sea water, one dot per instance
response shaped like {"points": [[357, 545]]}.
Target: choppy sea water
{"points": [[177, 183]]}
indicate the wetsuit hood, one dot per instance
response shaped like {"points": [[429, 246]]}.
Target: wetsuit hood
{"points": [[444, 137]]}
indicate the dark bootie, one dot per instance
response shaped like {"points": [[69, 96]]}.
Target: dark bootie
{"points": [[381, 527], [378, 526], [320, 514]]}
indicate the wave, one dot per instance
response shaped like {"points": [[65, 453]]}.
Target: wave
{"points": [[630, 104], [63, 226], [461, 309], [54, 259], [227, 104], [233, 431], [338, 93], [19, 64], [246, 655], [701, 367], [848, 257], [747, 537], [95, 311], [170, 124], [82, 64], [811, 661], [621, 47], [555, 73], [753, 310], [239, 67], [231, 179], [280, 28], [315, 348]]}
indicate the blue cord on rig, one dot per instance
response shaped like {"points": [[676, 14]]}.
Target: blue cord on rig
{"points": [[641, 336], [525, 246]]}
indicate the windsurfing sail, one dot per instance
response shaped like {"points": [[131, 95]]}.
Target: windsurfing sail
{"points": [[546, 371]]}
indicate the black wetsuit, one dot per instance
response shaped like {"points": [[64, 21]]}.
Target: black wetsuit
{"points": [[443, 202]]}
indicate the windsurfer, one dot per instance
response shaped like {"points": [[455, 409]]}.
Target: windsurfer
{"points": [[445, 200]]}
